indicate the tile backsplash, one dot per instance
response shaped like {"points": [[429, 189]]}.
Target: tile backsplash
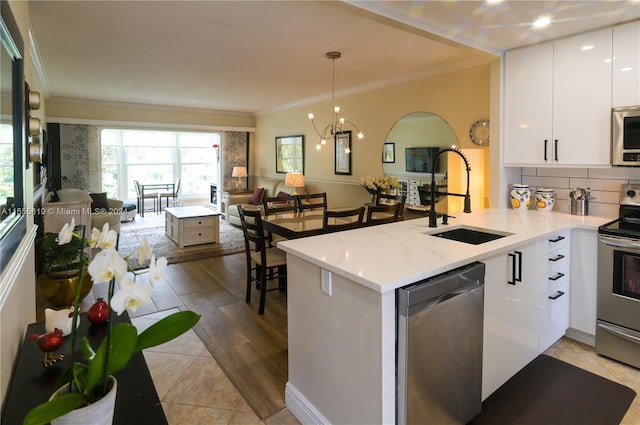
{"points": [[604, 183]]}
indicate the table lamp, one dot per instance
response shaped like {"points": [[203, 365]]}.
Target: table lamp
{"points": [[239, 172], [294, 180]]}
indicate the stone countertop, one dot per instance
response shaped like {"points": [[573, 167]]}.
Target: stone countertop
{"points": [[390, 256]]}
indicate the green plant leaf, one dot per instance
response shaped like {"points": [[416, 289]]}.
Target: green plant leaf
{"points": [[123, 344], [167, 329], [86, 351], [50, 410]]}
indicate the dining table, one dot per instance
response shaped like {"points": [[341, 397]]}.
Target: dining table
{"points": [[166, 187], [293, 225]]}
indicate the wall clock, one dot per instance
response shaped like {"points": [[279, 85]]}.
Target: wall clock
{"points": [[479, 132]]}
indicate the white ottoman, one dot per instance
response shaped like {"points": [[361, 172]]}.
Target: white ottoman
{"points": [[129, 212]]}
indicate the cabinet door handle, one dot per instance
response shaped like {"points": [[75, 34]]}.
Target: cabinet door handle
{"points": [[513, 269], [519, 278], [555, 149], [545, 149], [556, 258], [557, 276], [558, 239], [556, 295]]}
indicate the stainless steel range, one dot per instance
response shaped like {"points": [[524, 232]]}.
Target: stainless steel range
{"points": [[618, 324]]}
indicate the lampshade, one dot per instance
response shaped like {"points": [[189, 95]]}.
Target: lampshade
{"points": [[294, 180], [239, 172]]}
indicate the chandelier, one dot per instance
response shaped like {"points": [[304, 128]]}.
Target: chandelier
{"points": [[335, 126]]}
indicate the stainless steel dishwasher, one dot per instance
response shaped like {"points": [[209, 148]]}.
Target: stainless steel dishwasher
{"points": [[439, 348]]}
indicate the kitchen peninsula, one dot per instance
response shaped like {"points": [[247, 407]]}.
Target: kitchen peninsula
{"points": [[342, 311]]}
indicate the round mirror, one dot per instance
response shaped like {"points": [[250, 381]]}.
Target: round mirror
{"points": [[416, 130], [408, 154]]}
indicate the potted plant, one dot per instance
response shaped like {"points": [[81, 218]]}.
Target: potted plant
{"points": [[89, 384], [59, 269]]}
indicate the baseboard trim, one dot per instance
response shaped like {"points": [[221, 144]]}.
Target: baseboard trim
{"points": [[301, 408], [582, 337]]}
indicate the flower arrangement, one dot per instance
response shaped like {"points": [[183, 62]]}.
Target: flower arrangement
{"points": [[378, 184], [88, 380]]}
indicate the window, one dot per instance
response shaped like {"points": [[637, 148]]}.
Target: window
{"points": [[151, 156]]}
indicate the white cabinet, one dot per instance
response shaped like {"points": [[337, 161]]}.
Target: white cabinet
{"points": [[553, 302], [626, 65], [510, 336], [520, 318], [558, 102]]}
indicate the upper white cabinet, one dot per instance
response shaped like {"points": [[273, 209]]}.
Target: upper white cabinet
{"points": [[558, 102], [626, 64]]}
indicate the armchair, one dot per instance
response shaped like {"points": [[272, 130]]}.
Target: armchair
{"points": [[111, 215]]}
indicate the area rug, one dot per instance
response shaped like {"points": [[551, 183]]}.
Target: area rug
{"points": [[549, 391], [231, 242]]}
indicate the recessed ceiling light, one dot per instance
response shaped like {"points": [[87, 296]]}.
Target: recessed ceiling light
{"points": [[626, 69], [494, 2], [541, 22], [587, 47]]}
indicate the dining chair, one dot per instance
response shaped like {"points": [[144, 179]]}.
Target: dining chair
{"points": [[147, 195], [277, 205], [387, 199], [381, 214], [337, 220], [173, 195], [263, 262], [312, 201]]}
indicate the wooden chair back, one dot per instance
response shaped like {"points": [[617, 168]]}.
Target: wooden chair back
{"points": [[279, 204], [381, 214], [312, 201], [387, 199], [337, 220]]}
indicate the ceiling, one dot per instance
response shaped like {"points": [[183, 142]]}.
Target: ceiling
{"points": [[259, 56]]}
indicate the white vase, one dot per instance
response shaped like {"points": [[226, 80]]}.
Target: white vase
{"points": [[98, 413]]}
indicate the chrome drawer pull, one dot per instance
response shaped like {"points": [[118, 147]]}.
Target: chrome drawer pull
{"points": [[558, 239], [559, 257], [556, 295], [556, 277]]}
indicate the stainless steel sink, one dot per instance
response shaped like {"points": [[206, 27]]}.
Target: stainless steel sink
{"points": [[471, 235]]}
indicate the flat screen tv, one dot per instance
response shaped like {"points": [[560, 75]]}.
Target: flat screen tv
{"points": [[420, 160]]}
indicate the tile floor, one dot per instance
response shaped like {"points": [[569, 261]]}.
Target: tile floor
{"points": [[191, 386]]}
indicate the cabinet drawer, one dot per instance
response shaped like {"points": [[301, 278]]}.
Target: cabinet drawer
{"points": [[198, 222], [554, 260], [195, 236], [553, 242], [554, 278], [554, 315]]}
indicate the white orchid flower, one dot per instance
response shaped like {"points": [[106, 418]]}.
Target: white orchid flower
{"points": [[156, 269], [108, 238], [130, 297], [95, 237], [106, 265], [144, 250], [66, 234]]}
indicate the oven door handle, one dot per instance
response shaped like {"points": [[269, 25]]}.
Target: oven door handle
{"points": [[620, 242], [619, 333]]}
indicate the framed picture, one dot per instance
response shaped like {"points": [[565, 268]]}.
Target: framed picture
{"points": [[389, 152], [290, 154], [343, 153]]}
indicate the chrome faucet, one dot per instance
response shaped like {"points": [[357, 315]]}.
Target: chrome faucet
{"points": [[467, 197]]}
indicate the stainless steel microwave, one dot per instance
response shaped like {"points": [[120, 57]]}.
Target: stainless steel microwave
{"points": [[625, 136]]}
